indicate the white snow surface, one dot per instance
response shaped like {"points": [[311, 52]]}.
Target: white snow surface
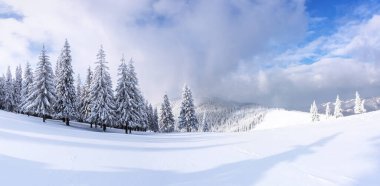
{"points": [[344, 151]]}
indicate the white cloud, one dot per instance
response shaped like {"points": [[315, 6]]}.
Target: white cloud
{"points": [[230, 49]]}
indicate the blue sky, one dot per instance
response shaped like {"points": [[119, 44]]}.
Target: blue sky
{"points": [[278, 53]]}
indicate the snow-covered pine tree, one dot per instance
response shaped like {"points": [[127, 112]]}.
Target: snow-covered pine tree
{"points": [[65, 89], [78, 97], [9, 93], [206, 128], [155, 125], [27, 87], [362, 106], [2, 92], [136, 99], [328, 112], [103, 104], [42, 94], [358, 104], [166, 118], [17, 89], [338, 108], [187, 117], [123, 100], [85, 101], [314, 112]]}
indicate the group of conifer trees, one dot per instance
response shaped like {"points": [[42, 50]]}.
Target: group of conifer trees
{"points": [[53, 94], [338, 112]]}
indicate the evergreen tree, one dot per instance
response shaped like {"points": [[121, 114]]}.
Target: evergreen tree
{"points": [[123, 99], [17, 89], [85, 101], [187, 118], [136, 113], [9, 94], [102, 105], [65, 89], [2, 92], [27, 87], [314, 112], [155, 125], [78, 98], [42, 95], [358, 104], [338, 108], [362, 108], [328, 112], [166, 118]]}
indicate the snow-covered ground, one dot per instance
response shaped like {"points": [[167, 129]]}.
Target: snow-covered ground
{"points": [[344, 151]]}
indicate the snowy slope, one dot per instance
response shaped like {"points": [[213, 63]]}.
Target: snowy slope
{"points": [[342, 151], [225, 116]]}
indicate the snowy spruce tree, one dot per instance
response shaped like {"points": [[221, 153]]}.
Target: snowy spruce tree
{"points": [[2, 92], [338, 108], [124, 110], [358, 104], [155, 126], [362, 107], [314, 112], [65, 89], [85, 99], [78, 98], [137, 104], [17, 86], [9, 104], [102, 99], [166, 117], [42, 96], [27, 87], [328, 111], [187, 117]]}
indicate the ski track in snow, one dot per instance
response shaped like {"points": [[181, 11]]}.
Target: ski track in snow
{"points": [[342, 151]]}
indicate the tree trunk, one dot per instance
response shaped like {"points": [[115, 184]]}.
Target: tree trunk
{"points": [[104, 127], [126, 129], [43, 118], [67, 121], [90, 125]]}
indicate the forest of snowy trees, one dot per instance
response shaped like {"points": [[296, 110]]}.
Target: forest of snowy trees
{"points": [[55, 94], [338, 111]]}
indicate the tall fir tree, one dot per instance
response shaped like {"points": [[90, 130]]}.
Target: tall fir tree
{"points": [[314, 112], [136, 118], [27, 87], [166, 117], [362, 107], [187, 117], [2, 92], [358, 104], [85, 101], [9, 93], [42, 95], [17, 89], [123, 99], [65, 88], [155, 125], [78, 98], [338, 108], [102, 105]]}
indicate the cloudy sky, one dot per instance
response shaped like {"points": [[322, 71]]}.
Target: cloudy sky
{"points": [[282, 53]]}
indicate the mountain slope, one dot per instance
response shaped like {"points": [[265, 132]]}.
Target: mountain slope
{"points": [[342, 151]]}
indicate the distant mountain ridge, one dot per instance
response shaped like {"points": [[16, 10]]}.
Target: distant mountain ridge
{"points": [[370, 104]]}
